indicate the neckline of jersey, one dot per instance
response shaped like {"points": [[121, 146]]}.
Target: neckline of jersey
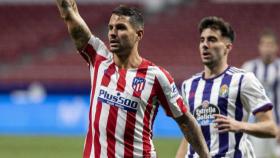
{"points": [[211, 79], [141, 65]]}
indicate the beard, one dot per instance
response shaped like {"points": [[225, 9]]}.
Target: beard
{"points": [[213, 60], [117, 49], [121, 51]]}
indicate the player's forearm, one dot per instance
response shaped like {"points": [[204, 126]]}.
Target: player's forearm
{"points": [[77, 28], [266, 129], [278, 134], [182, 150], [193, 134], [67, 8]]}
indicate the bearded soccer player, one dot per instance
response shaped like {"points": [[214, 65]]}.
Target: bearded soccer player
{"points": [[126, 88], [267, 69], [222, 97]]}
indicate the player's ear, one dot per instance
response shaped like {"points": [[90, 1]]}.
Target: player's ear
{"points": [[229, 46], [140, 34]]}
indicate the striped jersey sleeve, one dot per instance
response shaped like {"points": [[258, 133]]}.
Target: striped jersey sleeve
{"points": [[93, 48], [169, 97], [253, 94], [185, 91]]}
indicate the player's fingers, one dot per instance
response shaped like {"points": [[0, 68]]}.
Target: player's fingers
{"points": [[220, 120], [223, 130], [219, 116], [222, 126]]}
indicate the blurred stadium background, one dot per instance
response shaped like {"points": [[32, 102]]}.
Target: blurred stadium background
{"points": [[44, 83]]}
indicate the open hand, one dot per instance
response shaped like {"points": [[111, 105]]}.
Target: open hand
{"points": [[227, 124]]}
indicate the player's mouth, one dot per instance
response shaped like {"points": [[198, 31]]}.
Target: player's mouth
{"points": [[114, 43], [206, 54]]}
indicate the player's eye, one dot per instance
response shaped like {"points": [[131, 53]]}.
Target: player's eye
{"points": [[212, 39], [110, 27], [201, 40], [121, 27]]}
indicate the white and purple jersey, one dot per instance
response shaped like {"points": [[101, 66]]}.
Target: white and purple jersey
{"points": [[269, 76], [124, 103], [233, 93]]}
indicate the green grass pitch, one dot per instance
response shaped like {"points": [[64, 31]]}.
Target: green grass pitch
{"points": [[64, 147]]}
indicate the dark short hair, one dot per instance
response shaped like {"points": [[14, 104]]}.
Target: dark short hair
{"points": [[217, 23], [136, 17], [268, 33]]}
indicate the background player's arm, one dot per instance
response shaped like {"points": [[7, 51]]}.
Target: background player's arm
{"points": [[264, 127], [182, 150], [278, 135], [183, 147], [193, 134], [253, 97], [77, 28]]}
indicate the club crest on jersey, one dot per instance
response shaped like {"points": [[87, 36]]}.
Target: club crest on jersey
{"points": [[174, 91], [224, 91], [204, 113], [138, 84]]}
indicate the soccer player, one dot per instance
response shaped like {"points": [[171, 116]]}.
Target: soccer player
{"points": [[267, 69], [222, 97], [126, 89]]}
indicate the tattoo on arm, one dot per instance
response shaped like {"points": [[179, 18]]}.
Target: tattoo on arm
{"points": [[65, 4], [77, 28], [80, 36], [193, 134]]}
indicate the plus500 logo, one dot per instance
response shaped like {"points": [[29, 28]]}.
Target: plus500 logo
{"points": [[117, 100]]}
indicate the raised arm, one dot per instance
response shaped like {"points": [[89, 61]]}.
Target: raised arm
{"points": [[193, 134], [77, 27]]}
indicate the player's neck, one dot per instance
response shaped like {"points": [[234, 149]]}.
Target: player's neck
{"points": [[132, 60], [211, 72], [268, 61]]}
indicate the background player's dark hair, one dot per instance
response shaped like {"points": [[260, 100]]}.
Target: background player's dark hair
{"points": [[136, 17], [269, 33], [217, 23]]}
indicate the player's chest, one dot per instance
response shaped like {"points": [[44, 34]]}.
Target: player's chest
{"points": [[127, 89], [209, 98]]}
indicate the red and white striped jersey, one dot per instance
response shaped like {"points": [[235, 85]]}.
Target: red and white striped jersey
{"points": [[124, 103]]}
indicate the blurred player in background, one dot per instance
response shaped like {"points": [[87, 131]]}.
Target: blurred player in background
{"points": [[222, 97], [267, 69], [126, 88]]}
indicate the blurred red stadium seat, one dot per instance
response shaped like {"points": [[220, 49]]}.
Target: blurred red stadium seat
{"points": [[170, 39]]}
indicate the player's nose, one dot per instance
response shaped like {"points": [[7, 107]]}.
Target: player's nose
{"points": [[113, 33], [205, 47]]}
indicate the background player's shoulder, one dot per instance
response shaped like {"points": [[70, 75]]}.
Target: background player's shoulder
{"points": [[193, 77], [234, 70], [199, 74]]}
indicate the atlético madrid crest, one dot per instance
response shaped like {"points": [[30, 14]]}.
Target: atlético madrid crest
{"points": [[138, 84]]}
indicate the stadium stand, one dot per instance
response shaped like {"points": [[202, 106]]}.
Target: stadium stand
{"points": [[170, 40]]}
